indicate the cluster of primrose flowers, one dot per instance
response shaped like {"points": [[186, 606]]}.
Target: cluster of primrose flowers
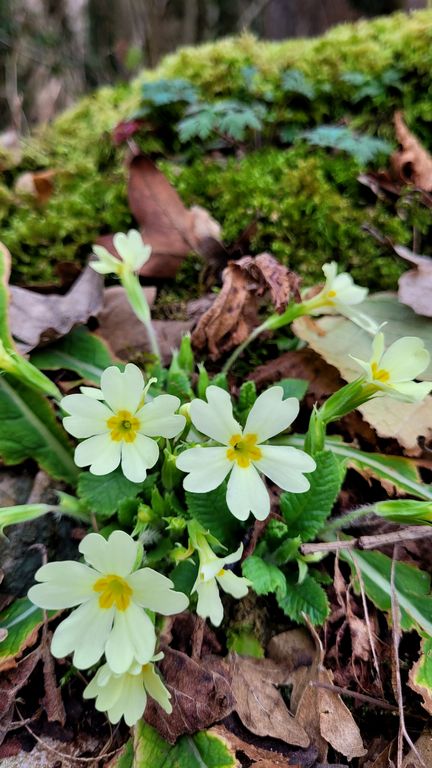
{"points": [[114, 598]]}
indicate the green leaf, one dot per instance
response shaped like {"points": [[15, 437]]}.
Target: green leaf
{"points": [[287, 551], [29, 430], [360, 146], [247, 395], [203, 750], [294, 81], [22, 620], [400, 472], [294, 387], [80, 351], [159, 93], [105, 493], [307, 597], [306, 513], [412, 587], [422, 671], [211, 510], [265, 577], [184, 575], [244, 642]]}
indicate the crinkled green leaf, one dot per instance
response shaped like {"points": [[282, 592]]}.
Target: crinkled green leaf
{"points": [[412, 587], [104, 493], [307, 597], [203, 750], [80, 351], [265, 577], [211, 510], [21, 620], [306, 513], [29, 430]]}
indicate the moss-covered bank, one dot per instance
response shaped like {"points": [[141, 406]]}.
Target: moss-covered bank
{"points": [[307, 203]]}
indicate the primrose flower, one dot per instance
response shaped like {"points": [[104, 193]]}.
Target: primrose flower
{"points": [[132, 251], [112, 597], [241, 453], [391, 372], [125, 695], [211, 575], [120, 429], [339, 293]]}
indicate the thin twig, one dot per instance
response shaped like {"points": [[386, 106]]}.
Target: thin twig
{"points": [[368, 624], [410, 533], [396, 635], [355, 695]]}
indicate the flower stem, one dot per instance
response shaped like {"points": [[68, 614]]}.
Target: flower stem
{"points": [[272, 322], [139, 304]]}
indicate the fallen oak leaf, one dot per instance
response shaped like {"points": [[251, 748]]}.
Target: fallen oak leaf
{"points": [[259, 704], [200, 696], [233, 314], [412, 163], [172, 230], [37, 319]]}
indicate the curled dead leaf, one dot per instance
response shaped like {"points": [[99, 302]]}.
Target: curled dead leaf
{"points": [[415, 285], [233, 314], [36, 184], [412, 163], [200, 696]]}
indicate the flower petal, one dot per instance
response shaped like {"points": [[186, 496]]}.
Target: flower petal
{"points": [[102, 453], [133, 700], [82, 426], [85, 631], [208, 468], [132, 637], [405, 359], [215, 418], [158, 418], [271, 414], [85, 406], [237, 586], [408, 391], [65, 585], [209, 603], [121, 553], [156, 688], [94, 547], [247, 493], [123, 391], [285, 465], [138, 457], [155, 592]]}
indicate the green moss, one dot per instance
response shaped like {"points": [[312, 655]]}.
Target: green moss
{"points": [[307, 202]]}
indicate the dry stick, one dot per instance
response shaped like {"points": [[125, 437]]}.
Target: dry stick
{"points": [[368, 624], [410, 533], [355, 695], [65, 756], [198, 638], [396, 635]]}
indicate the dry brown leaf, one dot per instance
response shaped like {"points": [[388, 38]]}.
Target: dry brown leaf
{"points": [[259, 704], [412, 163], [200, 696], [321, 712], [262, 758], [37, 318], [359, 637], [52, 702], [415, 285], [165, 223], [423, 746], [233, 314], [37, 184], [126, 335]]}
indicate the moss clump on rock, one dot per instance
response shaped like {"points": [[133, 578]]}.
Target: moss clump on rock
{"points": [[306, 201]]}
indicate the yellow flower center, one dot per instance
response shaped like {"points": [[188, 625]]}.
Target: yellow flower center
{"points": [[114, 590], [379, 374], [244, 450], [124, 426]]}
